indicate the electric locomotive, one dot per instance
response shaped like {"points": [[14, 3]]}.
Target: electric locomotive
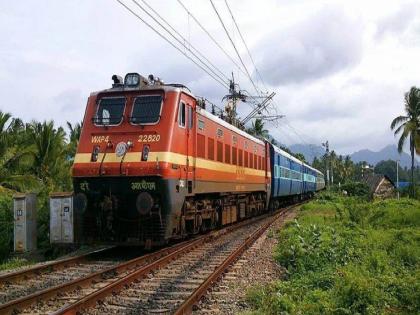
{"points": [[153, 165]]}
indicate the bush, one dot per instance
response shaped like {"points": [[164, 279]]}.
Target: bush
{"points": [[356, 189], [6, 224], [347, 256]]}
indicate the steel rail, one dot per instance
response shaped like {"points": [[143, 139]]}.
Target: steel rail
{"points": [[195, 297], [48, 267], [91, 299], [26, 301], [159, 259]]}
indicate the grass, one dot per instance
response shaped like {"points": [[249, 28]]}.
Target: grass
{"points": [[14, 263], [347, 256]]}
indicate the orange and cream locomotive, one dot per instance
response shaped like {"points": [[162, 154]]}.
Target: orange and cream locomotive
{"points": [[153, 165]]}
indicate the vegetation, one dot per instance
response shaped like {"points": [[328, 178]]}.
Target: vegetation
{"points": [[343, 168], [408, 126], [257, 129], [34, 157], [344, 255]]}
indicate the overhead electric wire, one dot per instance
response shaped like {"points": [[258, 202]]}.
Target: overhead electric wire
{"points": [[178, 40], [180, 35], [246, 46], [211, 37], [221, 82], [234, 46]]}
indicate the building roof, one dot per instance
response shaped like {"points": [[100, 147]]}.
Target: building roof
{"points": [[375, 180]]}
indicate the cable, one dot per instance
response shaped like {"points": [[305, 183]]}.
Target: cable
{"points": [[211, 37], [179, 41], [182, 37], [246, 46], [172, 44], [234, 46]]}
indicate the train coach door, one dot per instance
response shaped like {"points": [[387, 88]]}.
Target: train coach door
{"points": [[190, 149]]}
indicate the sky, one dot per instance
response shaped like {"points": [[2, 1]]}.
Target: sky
{"points": [[339, 68]]}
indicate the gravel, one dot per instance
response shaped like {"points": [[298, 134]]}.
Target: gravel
{"points": [[256, 267]]}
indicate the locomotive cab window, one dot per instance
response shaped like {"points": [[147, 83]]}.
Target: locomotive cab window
{"points": [[181, 114], [110, 111], [146, 109], [190, 117]]}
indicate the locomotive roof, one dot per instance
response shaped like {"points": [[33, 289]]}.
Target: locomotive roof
{"points": [[228, 126], [162, 87]]}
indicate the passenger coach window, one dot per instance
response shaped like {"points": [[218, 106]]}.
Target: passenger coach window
{"points": [[110, 111], [146, 109], [181, 114]]}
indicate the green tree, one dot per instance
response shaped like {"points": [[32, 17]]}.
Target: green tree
{"points": [[74, 136], [257, 129], [389, 168], [14, 159], [50, 164], [409, 125], [300, 156]]}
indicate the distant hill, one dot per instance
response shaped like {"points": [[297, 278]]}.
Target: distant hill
{"points": [[390, 152]]}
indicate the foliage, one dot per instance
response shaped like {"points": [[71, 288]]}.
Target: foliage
{"points": [[408, 125], [342, 167], [34, 157], [389, 168], [6, 223], [347, 256], [356, 189], [13, 263], [257, 129]]}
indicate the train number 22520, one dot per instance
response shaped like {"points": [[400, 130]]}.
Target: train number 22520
{"points": [[148, 138]]}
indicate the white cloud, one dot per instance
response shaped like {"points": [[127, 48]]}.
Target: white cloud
{"points": [[340, 68], [325, 43]]}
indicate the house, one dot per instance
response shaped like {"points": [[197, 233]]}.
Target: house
{"points": [[380, 186]]}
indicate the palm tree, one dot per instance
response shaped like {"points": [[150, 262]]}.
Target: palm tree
{"points": [[409, 126], [4, 126], [14, 166], [74, 136], [49, 144], [15, 160], [257, 129]]}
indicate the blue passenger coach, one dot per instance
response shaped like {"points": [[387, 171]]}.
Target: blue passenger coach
{"points": [[291, 178]]}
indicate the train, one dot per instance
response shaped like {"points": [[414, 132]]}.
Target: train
{"points": [[153, 166]]}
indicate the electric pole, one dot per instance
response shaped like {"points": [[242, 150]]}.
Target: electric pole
{"points": [[327, 153]]}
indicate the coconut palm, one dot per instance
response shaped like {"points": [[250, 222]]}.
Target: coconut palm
{"points": [[14, 166], [4, 126], [257, 129], [49, 144], [74, 136], [15, 160], [409, 126]]}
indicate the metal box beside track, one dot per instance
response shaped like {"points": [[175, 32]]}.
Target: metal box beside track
{"points": [[24, 212], [62, 218]]}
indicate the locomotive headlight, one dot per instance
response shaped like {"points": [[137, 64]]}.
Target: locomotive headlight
{"points": [[144, 203], [121, 149], [95, 153], [132, 79], [145, 152]]}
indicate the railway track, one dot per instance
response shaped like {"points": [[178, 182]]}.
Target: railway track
{"points": [[168, 281], [26, 281]]}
